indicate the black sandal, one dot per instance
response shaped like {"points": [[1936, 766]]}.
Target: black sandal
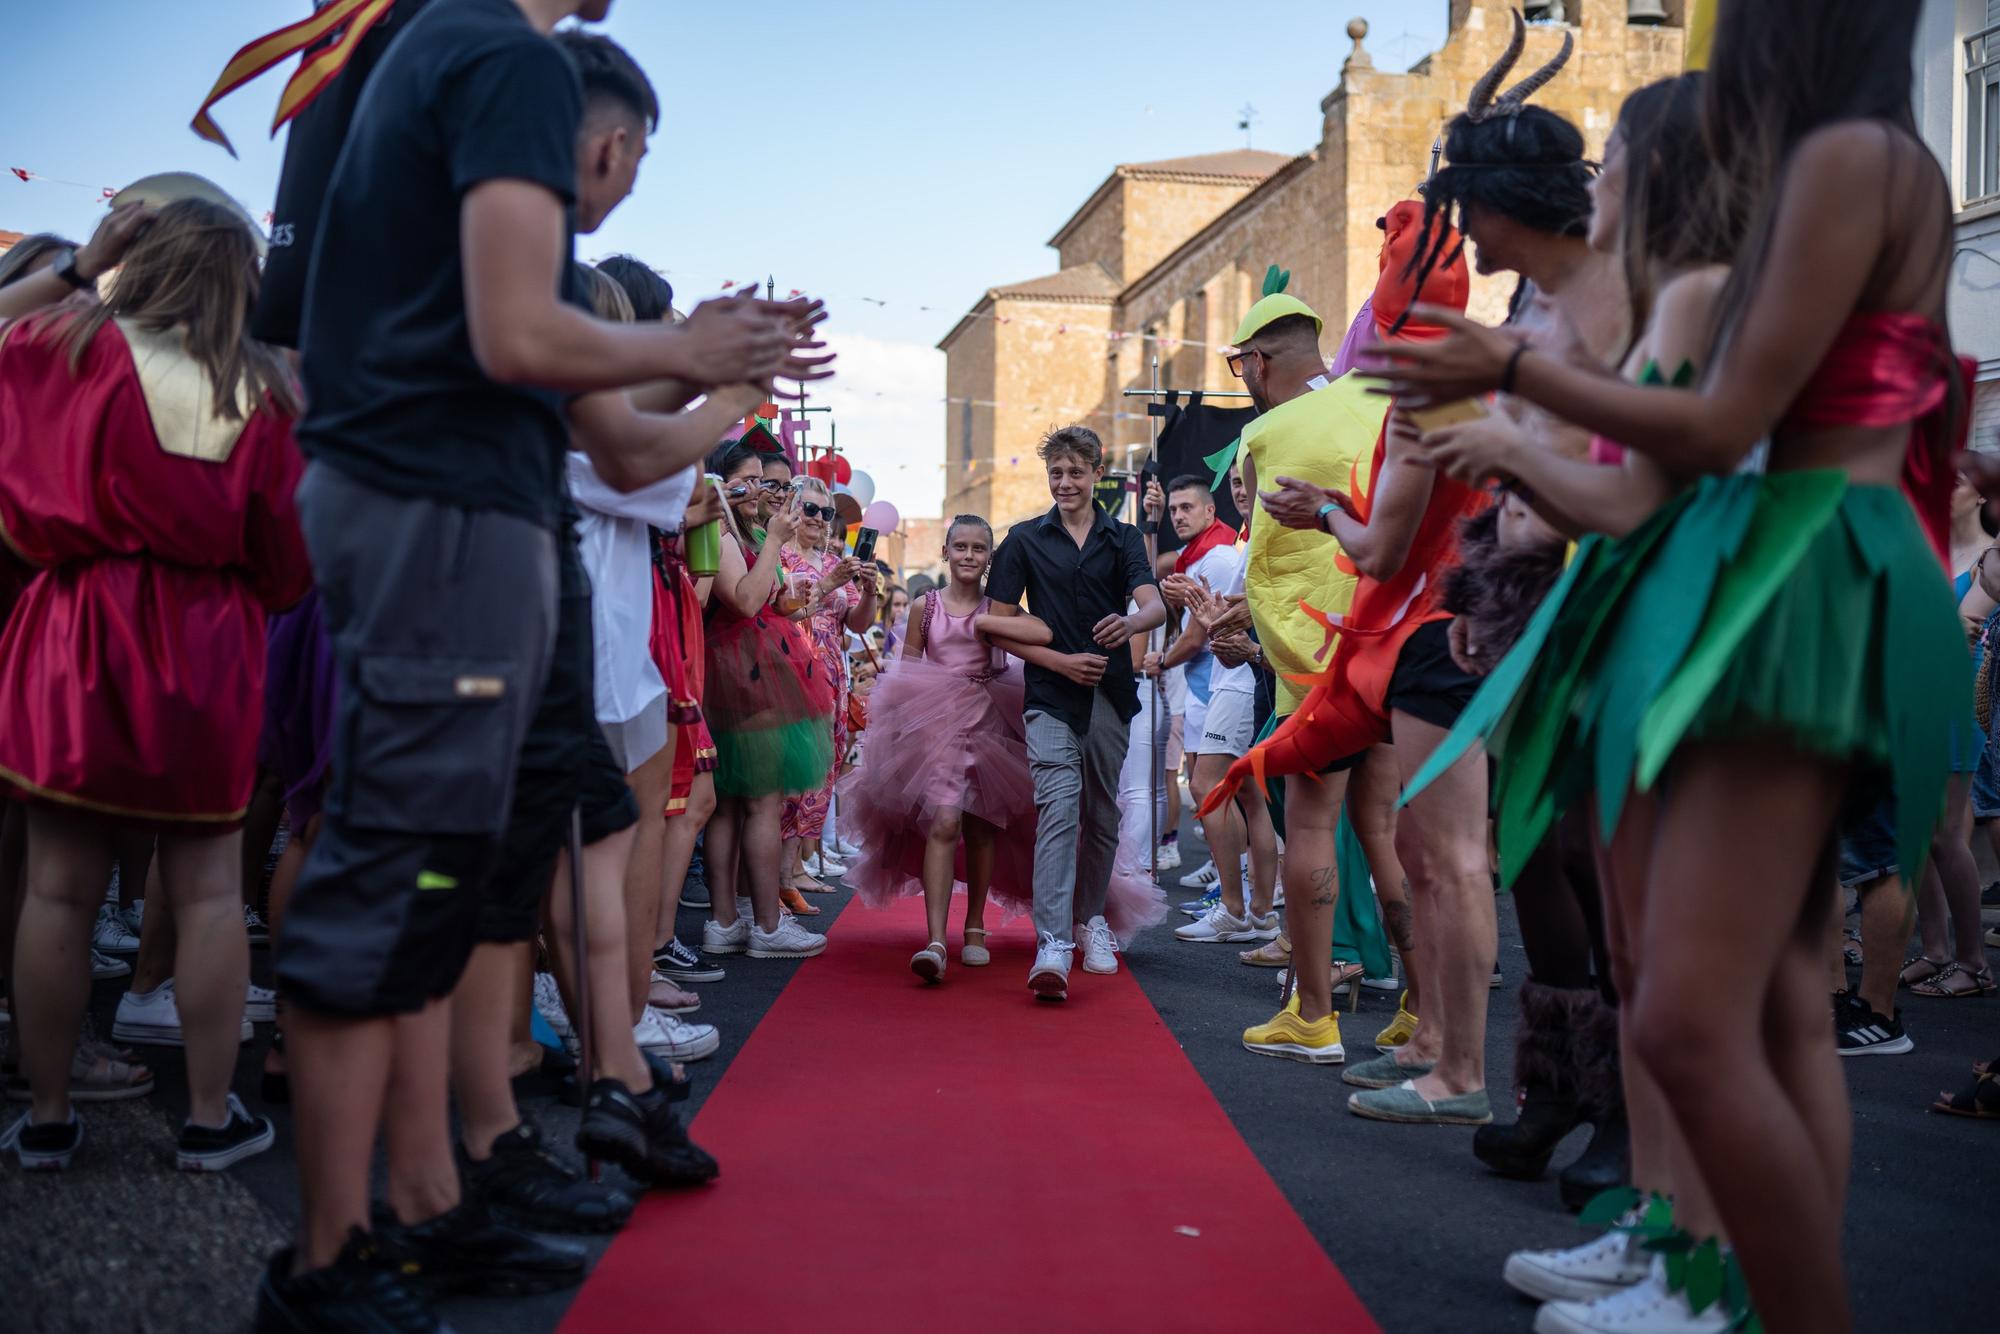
{"points": [[1979, 1100]]}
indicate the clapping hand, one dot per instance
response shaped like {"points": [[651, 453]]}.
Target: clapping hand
{"points": [[1470, 360], [1183, 591], [1471, 452]]}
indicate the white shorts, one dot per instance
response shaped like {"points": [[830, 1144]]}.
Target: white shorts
{"points": [[1196, 718], [1231, 724]]}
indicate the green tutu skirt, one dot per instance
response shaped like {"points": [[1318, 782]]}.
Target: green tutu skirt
{"points": [[1793, 604]]}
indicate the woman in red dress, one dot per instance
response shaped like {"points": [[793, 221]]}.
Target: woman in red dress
{"points": [[146, 475]]}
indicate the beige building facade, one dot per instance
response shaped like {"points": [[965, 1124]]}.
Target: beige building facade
{"points": [[1164, 257]]}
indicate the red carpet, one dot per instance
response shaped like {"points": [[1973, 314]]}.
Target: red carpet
{"points": [[963, 1157]]}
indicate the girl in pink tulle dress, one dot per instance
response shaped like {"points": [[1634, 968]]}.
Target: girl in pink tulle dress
{"points": [[942, 800]]}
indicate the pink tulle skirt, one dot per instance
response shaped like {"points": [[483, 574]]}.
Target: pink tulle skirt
{"points": [[939, 740]]}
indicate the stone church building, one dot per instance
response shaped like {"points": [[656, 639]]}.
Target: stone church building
{"points": [[1164, 257]]}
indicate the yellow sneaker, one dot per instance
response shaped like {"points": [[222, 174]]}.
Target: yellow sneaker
{"points": [[1292, 1038], [1400, 1030]]}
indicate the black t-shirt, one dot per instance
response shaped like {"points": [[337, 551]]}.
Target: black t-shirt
{"points": [[395, 398], [312, 146], [1072, 588]]}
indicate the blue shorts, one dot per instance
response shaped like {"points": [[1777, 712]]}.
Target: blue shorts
{"points": [[1868, 846]]}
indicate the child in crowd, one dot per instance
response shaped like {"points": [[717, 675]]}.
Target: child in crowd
{"points": [[946, 764]]}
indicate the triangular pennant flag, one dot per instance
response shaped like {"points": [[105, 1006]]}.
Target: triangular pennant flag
{"points": [[1222, 460]]}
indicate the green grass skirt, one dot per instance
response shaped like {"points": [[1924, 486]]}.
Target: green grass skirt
{"points": [[789, 758], [1792, 604]]}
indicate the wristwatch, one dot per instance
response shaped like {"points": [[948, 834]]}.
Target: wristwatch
{"points": [[1319, 520], [64, 267]]}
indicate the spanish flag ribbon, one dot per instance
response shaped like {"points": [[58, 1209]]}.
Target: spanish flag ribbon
{"points": [[348, 20]]}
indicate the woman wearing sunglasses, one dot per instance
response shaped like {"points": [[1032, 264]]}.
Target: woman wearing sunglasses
{"points": [[837, 600]]}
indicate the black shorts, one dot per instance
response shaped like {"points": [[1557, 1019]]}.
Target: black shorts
{"points": [[1426, 684], [565, 763], [443, 625]]}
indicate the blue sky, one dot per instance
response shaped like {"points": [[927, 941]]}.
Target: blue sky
{"points": [[896, 157]]}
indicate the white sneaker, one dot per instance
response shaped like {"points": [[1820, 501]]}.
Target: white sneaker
{"points": [[1389, 983], [152, 1017], [1100, 947], [134, 917], [1278, 892], [1202, 878], [1219, 926], [674, 1038], [1049, 978], [255, 927], [1268, 926], [1170, 856], [826, 867], [260, 1005], [719, 939], [1644, 1308], [109, 935], [548, 1004], [1611, 1263], [103, 966], [789, 941]]}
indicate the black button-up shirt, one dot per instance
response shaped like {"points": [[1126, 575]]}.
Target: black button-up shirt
{"points": [[1072, 588]]}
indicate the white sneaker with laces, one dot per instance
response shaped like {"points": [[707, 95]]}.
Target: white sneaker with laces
{"points": [[1611, 1263], [1100, 947], [260, 1005], [1203, 877], [1049, 978], [1268, 926], [1220, 926], [103, 966], [674, 1038], [1170, 856], [153, 1018], [109, 935], [827, 867], [719, 939], [548, 1003], [134, 917], [789, 941], [255, 927], [1644, 1308]]}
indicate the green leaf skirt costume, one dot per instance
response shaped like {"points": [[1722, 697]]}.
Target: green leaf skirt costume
{"points": [[1795, 605]]}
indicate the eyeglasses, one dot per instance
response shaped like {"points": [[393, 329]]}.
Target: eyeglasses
{"points": [[812, 511], [773, 484], [1236, 361]]}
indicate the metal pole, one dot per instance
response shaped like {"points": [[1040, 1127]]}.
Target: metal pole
{"points": [[580, 1021], [1153, 732]]}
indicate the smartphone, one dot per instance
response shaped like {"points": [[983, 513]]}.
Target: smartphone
{"points": [[864, 545]]}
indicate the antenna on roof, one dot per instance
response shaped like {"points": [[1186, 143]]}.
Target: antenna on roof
{"points": [[1246, 118]]}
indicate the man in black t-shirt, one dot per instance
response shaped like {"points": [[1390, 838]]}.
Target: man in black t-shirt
{"points": [[438, 361], [1079, 568]]}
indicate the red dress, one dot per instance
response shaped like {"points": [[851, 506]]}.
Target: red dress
{"points": [[132, 668]]}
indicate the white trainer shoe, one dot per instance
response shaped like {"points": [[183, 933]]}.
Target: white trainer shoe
{"points": [[110, 936], [1268, 926], [674, 1038], [549, 1004], [103, 966], [1611, 1263], [1203, 877], [260, 1005], [789, 941], [719, 939], [1644, 1308], [1049, 978], [1170, 856], [1220, 926], [1100, 947], [152, 1017]]}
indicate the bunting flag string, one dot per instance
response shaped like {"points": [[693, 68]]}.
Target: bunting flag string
{"points": [[24, 175]]}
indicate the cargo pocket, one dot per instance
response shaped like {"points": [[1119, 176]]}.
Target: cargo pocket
{"points": [[432, 744]]}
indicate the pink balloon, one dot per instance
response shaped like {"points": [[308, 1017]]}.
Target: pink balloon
{"points": [[882, 517]]}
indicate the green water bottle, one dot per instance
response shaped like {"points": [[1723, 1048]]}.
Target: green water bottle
{"points": [[704, 543]]}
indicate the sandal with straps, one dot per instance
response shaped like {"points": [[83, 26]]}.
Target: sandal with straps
{"points": [[928, 962], [1979, 1100], [971, 955], [1939, 985], [1923, 968]]}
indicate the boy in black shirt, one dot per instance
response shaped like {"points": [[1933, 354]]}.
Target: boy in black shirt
{"points": [[1080, 568], [438, 363]]}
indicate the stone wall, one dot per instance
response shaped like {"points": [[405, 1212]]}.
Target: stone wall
{"points": [[1099, 235]]}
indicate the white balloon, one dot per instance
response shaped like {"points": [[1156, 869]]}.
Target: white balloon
{"points": [[863, 487]]}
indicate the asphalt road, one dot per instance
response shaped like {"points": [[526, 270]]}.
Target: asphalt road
{"points": [[1417, 1226]]}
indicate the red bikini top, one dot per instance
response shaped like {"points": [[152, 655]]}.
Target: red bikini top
{"points": [[1886, 368]]}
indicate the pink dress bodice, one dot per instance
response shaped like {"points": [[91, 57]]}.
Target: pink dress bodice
{"points": [[950, 641]]}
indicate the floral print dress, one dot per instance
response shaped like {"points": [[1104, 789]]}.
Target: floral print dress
{"points": [[805, 816]]}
